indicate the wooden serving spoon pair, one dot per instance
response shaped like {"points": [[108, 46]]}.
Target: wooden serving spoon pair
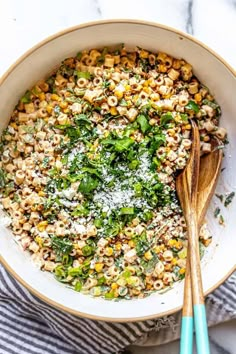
{"points": [[195, 187]]}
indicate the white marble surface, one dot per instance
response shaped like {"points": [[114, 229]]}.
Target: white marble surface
{"points": [[23, 23]]}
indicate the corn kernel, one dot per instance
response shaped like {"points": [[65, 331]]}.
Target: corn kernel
{"points": [[41, 96], [55, 97], [98, 267], [39, 241], [127, 87], [143, 54], [41, 193], [146, 83], [14, 125], [148, 255], [131, 243], [182, 271], [49, 108], [148, 286], [118, 94], [174, 261], [114, 286], [198, 97], [42, 225], [118, 246], [63, 104], [188, 127], [108, 251], [113, 111]]}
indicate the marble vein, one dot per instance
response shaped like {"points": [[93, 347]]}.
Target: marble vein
{"points": [[189, 23]]}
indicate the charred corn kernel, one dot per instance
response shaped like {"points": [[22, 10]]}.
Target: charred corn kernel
{"points": [[171, 132], [182, 271], [206, 242], [55, 97], [44, 86], [144, 54], [42, 225], [63, 104], [114, 286], [127, 87], [118, 246], [188, 127], [14, 125], [174, 261], [108, 251], [168, 266], [49, 108], [41, 193], [41, 96], [118, 94], [206, 138], [39, 241], [113, 111], [198, 97], [131, 243], [162, 68], [148, 255], [148, 286]]}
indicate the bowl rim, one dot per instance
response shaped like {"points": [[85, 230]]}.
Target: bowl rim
{"points": [[50, 38]]}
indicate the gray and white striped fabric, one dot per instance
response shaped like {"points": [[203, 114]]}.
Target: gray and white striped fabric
{"points": [[28, 325]]}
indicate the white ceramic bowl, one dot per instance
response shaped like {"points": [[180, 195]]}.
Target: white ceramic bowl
{"points": [[220, 260]]}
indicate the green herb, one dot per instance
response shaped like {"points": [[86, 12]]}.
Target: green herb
{"points": [[220, 197], [166, 118], [2, 178], [87, 250], [80, 210], [79, 55], [81, 119], [229, 199], [184, 117], [127, 211], [142, 244], [27, 97], [88, 184], [61, 246], [216, 212], [120, 145], [212, 104], [101, 59], [201, 250], [143, 122], [83, 74], [123, 102], [221, 220], [193, 106], [45, 162], [78, 286]]}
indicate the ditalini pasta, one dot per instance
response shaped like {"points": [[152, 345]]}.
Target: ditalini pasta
{"points": [[88, 165]]}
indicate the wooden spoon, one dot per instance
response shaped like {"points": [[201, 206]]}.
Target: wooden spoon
{"points": [[208, 175]]}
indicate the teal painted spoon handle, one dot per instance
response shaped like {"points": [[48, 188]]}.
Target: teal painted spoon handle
{"points": [[186, 336], [200, 323], [186, 339]]}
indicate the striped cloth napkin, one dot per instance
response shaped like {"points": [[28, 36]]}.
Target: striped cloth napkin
{"points": [[28, 325]]}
